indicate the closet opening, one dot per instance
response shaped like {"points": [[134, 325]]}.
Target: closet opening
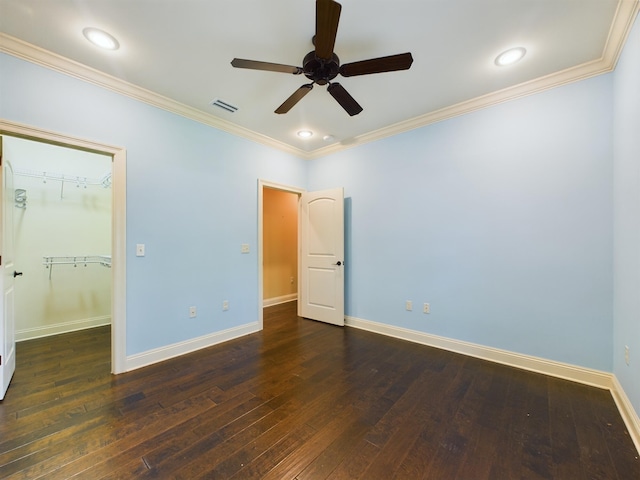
{"points": [[62, 238], [99, 190]]}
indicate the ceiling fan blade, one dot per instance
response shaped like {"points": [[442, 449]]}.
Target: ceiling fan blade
{"points": [[327, 18], [295, 98], [392, 63], [271, 67], [347, 102]]}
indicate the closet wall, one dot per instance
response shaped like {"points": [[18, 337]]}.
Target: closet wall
{"points": [[60, 219], [280, 246]]}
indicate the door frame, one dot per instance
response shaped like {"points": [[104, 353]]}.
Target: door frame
{"points": [[262, 184], [118, 224]]}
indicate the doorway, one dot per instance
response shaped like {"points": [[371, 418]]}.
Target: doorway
{"points": [[277, 264], [118, 224], [280, 246], [320, 252], [62, 238]]}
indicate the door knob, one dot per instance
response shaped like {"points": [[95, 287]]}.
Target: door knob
{"points": [[339, 263], [16, 274]]}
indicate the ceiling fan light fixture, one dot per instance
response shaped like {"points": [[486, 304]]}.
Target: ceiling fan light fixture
{"points": [[511, 56], [322, 65], [100, 38], [305, 133]]}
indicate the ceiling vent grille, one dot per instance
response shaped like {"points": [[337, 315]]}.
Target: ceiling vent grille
{"points": [[224, 105]]}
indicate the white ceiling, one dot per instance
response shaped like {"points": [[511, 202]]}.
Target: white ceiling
{"points": [[179, 52]]}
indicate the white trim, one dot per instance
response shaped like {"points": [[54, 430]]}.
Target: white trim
{"points": [[574, 373], [181, 348], [627, 412], [270, 302], [58, 328], [119, 266], [119, 230], [31, 53], [621, 25], [262, 184], [586, 376], [618, 32]]}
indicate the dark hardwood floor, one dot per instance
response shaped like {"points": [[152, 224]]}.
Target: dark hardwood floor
{"points": [[301, 400]]}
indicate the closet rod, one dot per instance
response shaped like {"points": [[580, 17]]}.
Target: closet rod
{"points": [[79, 180], [50, 261]]}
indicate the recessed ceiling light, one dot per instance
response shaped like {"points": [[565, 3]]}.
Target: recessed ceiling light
{"points": [[101, 38], [305, 133], [510, 57], [328, 138]]}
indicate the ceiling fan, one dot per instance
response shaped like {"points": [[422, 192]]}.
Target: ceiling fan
{"points": [[322, 65]]}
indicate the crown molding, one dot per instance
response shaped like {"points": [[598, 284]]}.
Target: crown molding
{"points": [[31, 53], [621, 25]]}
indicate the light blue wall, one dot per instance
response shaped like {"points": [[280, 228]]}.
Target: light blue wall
{"points": [[500, 219], [626, 326], [191, 199]]}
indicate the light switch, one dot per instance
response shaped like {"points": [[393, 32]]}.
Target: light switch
{"points": [[244, 248], [140, 250]]}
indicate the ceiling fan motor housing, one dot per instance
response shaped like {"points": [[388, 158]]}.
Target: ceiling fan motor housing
{"points": [[322, 65], [319, 70]]}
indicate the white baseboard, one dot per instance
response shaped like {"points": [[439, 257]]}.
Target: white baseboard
{"points": [[269, 302], [170, 351], [627, 412], [587, 376], [565, 371], [58, 328], [574, 373]]}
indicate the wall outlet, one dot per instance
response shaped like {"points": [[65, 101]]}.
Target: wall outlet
{"points": [[408, 305], [244, 248], [426, 308], [225, 305], [192, 312], [291, 280], [626, 354]]}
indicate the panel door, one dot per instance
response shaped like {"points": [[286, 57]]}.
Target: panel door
{"points": [[7, 272], [322, 256]]}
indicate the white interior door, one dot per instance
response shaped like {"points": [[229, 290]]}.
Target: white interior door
{"points": [[7, 336], [321, 294]]}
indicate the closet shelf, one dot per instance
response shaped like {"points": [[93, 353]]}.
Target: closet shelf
{"points": [[79, 181], [82, 260]]}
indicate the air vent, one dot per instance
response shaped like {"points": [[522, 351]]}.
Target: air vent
{"points": [[224, 105]]}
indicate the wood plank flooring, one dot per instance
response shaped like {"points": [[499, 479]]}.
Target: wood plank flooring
{"points": [[301, 400]]}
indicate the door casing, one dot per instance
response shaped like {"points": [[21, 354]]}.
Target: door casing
{"points": [[118, 213], [262, 184]]}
